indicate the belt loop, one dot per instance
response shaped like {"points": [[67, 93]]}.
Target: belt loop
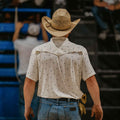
{"points": [[68, 99]]}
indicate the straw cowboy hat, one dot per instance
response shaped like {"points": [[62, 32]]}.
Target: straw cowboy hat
{"points": [[60, 24]]}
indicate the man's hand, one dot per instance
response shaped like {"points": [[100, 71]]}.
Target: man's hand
{"points": [[28, 113], [104, 4], [19, 25], [97, 111], [111, 7], [100, 4]]}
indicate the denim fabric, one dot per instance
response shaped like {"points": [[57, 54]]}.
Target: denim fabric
{"points": [[117, 27], [22, 78], [100, 14], [50, 109], [35, 101], [97, 11]]}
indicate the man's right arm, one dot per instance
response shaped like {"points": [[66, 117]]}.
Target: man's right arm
{"points": [[98, 3], [29, 89]]}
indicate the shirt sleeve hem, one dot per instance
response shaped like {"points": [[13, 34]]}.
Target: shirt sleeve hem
{"points": [[89, 75], [33, 79]]}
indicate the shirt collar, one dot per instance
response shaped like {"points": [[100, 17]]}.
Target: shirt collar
{"points": [[64, 39], [66, 47]]}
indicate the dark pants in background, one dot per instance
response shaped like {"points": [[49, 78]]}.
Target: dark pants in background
{"points": [[106, 18]]}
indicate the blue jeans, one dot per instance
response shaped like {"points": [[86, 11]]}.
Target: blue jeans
{"points": [[50, 109], [100, 14]]}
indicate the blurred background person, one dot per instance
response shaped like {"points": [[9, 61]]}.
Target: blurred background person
{"points": [[39, 2], [111, 9], [6, 18], [32, 3], [24, 48], [59, 4], [8, 3]]}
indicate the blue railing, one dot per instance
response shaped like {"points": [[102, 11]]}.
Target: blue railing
{"points": [[7, 58], [47, 11], [10, 27], [8, 72], [6, 45]]}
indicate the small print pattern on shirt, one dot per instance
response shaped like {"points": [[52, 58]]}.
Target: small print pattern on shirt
{"points": [[59, 66]]}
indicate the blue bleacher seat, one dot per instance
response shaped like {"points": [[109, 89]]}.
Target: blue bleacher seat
{"points": [[6, 45], [9, 97], [7, 58], [7, 72]]}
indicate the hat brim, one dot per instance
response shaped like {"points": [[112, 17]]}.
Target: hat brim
{"points": [[57, 33]]}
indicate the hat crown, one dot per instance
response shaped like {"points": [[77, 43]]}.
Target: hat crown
{"points": [[60, 24], [61, 19]]}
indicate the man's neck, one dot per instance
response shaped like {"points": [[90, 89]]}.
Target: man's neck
{"points": [[59, 38]]}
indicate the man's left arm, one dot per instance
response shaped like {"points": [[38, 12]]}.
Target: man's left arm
{"points": [[88, 76], [93, 89], [18, 27]]}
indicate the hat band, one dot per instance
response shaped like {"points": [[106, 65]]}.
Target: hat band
{"points": [[56, 28], [59, 28]]}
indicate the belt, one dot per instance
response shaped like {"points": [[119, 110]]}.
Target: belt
{"points": [[67, 99]]}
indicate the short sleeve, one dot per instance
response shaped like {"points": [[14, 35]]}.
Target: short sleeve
{"points": [[32, 71], [87, 69], [16, 44]]}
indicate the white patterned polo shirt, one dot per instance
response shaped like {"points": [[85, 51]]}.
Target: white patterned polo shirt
{"points": [[59, 65]]}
